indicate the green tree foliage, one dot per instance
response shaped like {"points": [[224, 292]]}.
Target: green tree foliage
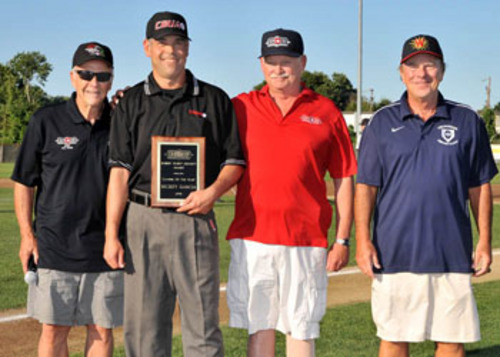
{"points": [[337, 88], [21, 94], [496, 108], [488, 116]]}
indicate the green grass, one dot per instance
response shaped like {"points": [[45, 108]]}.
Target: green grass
{"points": [[496, 179], [348, 331], [13, 291], [13, 288], [6, 169]]}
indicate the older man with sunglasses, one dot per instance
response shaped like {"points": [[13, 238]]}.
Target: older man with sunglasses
{"points": [[63, 158]]}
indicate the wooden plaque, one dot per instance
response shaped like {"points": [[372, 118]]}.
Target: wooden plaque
{"points": [[177, 169]]}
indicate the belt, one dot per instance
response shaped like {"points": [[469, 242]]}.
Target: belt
{"points": [[144, 198], [140, 197]]}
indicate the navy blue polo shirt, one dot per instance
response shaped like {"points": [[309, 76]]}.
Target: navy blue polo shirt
{"points": [[423, 171], [66, 159], [198, 109]]}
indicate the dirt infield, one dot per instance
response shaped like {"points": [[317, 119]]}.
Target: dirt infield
{"points": [[19, 338]]}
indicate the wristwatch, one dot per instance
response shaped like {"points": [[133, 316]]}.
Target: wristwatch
{"points": [[343, 241]]}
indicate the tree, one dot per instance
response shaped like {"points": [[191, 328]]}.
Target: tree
{"points": [[488, 116], [21, 93], [496, 108], [337, 88], [30, 66]]}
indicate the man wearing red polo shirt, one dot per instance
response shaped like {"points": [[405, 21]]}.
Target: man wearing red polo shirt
{"points": [[291, 137]]}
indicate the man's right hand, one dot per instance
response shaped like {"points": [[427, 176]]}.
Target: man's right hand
{"points": [[27, 249], [114, 253], [366, 257]]}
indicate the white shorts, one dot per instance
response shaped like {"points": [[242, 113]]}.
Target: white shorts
{"points": [[277, 287], [408, 307]]}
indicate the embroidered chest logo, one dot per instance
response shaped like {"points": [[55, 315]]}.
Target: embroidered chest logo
{"points": [[311, 120], [67, 142], [448, 135]]}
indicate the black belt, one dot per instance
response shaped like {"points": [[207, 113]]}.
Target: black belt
{"points": [[144, 198], [141, 198]]}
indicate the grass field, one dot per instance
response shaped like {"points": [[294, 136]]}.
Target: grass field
{"points": [[13, 291], [6, 169], [348, 331]]}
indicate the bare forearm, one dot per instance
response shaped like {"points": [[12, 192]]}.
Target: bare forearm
{"points": [[116, 200], [482, 209], [23, 205], [364, 203], [228, 177], [344, 206]]}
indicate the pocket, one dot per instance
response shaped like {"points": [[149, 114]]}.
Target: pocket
{"points": [[318, 283], [111, 284]]}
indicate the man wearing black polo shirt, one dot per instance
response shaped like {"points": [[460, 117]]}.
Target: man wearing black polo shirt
{"points": [[64, 158], [422, 160], [170, 252]]}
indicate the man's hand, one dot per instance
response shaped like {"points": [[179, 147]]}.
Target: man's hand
{"points": [[482, 259], [198, 202], [115, 99], [114, 253], [338, 257], [366, 257], [27, 249]]}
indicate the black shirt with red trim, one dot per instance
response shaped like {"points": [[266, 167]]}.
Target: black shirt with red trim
{"points": [[65, 158], [198, 109]]}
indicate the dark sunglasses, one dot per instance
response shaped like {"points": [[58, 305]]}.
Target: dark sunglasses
{"points": [[88, 75]]}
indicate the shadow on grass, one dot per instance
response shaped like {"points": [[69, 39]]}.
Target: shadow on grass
{"points": [[492, 351]]}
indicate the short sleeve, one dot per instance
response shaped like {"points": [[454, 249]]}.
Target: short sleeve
{"points": [[120, 147], [232, 151], [482, 164], [369, 164], [343, 161], [27, 169]]}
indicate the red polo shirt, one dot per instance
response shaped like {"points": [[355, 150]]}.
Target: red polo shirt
{"points": [[281, 197]]}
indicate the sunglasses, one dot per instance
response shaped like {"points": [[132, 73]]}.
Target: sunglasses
{"points": [[88, 75]]}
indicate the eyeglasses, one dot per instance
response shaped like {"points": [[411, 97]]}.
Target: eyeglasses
{"points": [[89, 75]]}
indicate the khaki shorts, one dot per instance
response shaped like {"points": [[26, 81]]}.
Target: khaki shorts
{"points": [[409, 307], [67, 299], [277, 287]]}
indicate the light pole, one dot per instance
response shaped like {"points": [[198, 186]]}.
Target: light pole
{"points": [[360, 67]]}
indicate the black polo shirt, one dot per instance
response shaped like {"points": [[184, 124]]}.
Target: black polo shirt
{"points": [[198, 109], [65, 158]]}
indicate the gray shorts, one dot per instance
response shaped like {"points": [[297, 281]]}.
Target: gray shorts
{"points": [[67, 299]]}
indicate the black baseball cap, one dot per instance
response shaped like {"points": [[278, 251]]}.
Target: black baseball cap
{"points": [[90, 51], [421, 44], [282, 42], [166, 23]]}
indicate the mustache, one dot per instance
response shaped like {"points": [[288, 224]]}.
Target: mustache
{"points": [[168, 57], [282, 75]]}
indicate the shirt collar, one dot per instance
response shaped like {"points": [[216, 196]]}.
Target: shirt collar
{"points": [[191, 86], [441, 109]]}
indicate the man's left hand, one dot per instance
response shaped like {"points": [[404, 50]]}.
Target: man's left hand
{"points": [[482, 259], [338, 257]]}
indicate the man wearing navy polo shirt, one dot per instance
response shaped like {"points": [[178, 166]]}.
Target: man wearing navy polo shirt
{"points": [[422, 160]]}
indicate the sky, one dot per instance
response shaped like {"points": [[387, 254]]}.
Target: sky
{"points": [[226, 37]]}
